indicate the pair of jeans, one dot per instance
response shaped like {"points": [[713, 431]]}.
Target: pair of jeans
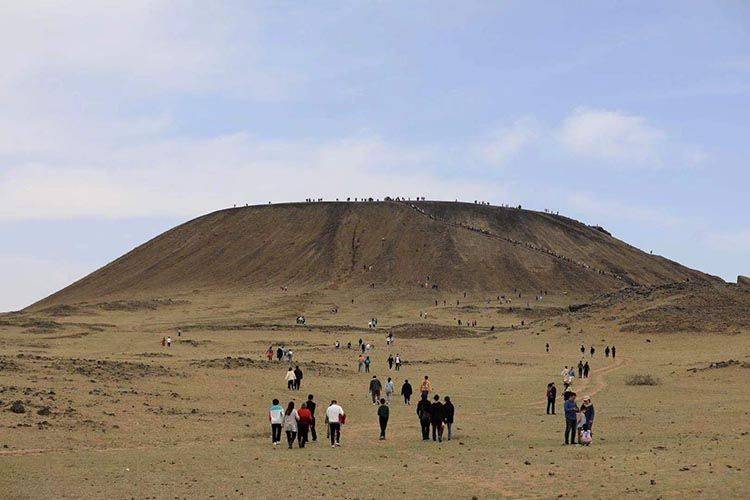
{"points": [[449, 426], [437, 431], [290, 435], [383, 425], [570, 428], [302, 435], [550, 406], [425, 429], [335, 432], [312, 430], [275, 433]]}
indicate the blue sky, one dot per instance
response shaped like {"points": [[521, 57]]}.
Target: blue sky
{"points": [[119, 123]]}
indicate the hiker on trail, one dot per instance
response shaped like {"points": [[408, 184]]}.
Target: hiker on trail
{"points": [[389, 387], [426, 386], [423, 412], [169, 342], [163, 341], [269, 353], [606, 351], [276, 417], [375, 388], [179, 332], [303, 426], [551, 396], [298, 380], [368, 347], [349, 345], [583, 349], [580, 422], [406, 392], [588, 410], [437, 415], [613, 351], [547, 347], [571, 373], [397, 362], [592, 351], [367, 364], [360, 342], [291, 379], [362, 348], [383, 413], [311, 406], [289, 355], [291, 417], [335, 416], [360, 363], [390, 361], [279, 353], [580, 369], [565, 373], [337, 344], [586, 370], [449, 411], [571, 411]]}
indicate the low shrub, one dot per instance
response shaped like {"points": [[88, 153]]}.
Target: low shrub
{"points": [[642, 379]]}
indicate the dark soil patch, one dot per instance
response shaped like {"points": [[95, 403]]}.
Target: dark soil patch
{"points": [[139, 305], [430, 331], [721, 364]]}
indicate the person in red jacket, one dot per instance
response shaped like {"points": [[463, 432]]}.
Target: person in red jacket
{"points": [[305, 420]]}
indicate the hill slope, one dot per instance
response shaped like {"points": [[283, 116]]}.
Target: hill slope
{"points": [[460, 246]]}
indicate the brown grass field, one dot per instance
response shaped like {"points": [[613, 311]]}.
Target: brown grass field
{"points": [[130, 418]]}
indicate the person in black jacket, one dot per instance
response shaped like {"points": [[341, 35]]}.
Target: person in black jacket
{"points": [[449, 412], [298, 374], [551, 395], [311, 406], [423, 412], [406, 391], [437, 415]]}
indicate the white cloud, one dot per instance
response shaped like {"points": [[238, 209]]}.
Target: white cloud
{"points": [[507, 142], [611, 136], [732, 242]]}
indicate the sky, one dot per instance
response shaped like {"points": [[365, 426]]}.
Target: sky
{"points": [[121, 120]]}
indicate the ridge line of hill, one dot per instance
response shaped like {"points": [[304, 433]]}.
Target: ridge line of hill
{"points": [[526, 244]]}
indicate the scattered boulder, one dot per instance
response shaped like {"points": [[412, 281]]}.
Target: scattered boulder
{"points": [[44, 411], [743, 281], [17, 407]]}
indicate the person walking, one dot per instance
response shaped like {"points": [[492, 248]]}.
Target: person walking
{"points": [[360, 363], [583, 349], [375, 388], [551, 396], [614, 352], [571, 412], [586, 370], [303, 426], [290, 423], [606, 352], [311, 406], [389, 388], [426, 387], [397, 362], [423, 412], [367, 364], [169, 342], [390, 361], [449, 412], [437, 415], [580, 369], [269, 353], [276, 417], [335, 416], [383, 414], [546, 347], [406, 392], [592, 351], [279, 353], [291, 379], [298, 379]]}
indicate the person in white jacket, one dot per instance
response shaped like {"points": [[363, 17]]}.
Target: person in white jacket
{"points": [[290, 423], [389, 387], [291, 379], [276, 417], [335, 415]]}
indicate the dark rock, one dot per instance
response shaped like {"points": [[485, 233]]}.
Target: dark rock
{"points": [[44, 411], [17, 407]]}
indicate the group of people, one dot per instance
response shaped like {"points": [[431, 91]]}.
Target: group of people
{"points": [[281, 352], [299, 424], [435, 415], [293, 378], [607, 351]]}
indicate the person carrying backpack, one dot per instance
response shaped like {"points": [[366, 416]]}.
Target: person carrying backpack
{"points": [[375, 388], [423, 412], [406, 392], [383, 413]]}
